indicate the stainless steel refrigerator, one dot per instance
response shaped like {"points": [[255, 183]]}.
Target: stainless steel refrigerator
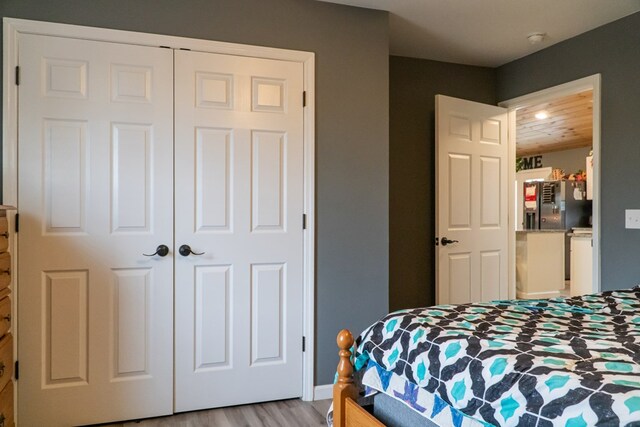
{"points": [[557, 205]]}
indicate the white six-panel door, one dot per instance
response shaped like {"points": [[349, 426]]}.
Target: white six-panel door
{"points": [[239, 202], [96, 193], [472, 207], [95, 180]]}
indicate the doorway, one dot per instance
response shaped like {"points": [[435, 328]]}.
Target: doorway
{"points": [[578, 133]]}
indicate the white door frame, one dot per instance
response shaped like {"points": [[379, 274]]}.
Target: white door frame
{"points": [[13, 27], [545, 95]]}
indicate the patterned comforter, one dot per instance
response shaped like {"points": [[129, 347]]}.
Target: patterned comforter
{"points": [[571, 362]]}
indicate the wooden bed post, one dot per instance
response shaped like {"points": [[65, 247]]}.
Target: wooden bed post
{"points": [[344, 387]]}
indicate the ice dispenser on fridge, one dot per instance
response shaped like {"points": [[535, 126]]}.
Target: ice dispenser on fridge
{"points": [[531, 206], [555, 205]]}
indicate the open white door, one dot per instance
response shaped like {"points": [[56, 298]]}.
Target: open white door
{"points": [[472, 201]]}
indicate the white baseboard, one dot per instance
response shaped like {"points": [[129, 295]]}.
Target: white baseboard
{"points": [[322, 392], [537, 295]]}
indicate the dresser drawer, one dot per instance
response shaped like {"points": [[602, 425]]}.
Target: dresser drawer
{"points": [[6, 360], [5, 270], [4, 235], [6, 406], [5, 316]]}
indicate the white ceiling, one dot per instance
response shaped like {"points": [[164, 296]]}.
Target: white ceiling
{"points": [[488, 32]]}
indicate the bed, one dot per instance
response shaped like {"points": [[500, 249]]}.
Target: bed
{"points": [[571, 362]]}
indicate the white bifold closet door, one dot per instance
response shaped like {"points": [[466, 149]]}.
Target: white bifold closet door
{"points": [[239, 200], [95, 193], [106, 332]]}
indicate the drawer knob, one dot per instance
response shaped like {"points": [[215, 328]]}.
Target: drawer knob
{"points": [[5, 234], [7, 272], [7, 318], [1, 369]]}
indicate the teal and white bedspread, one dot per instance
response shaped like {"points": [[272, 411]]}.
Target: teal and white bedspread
{"points": [[571, 362]]}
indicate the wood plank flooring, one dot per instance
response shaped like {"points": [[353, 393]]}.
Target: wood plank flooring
{"points": [[284, 413]]}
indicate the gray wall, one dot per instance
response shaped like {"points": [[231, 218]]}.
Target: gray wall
{"points": [[414, 83], [352, 119], [613, 51], [568, 160]]}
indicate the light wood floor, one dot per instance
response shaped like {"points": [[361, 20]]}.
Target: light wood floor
{"points": [[284, 413]]}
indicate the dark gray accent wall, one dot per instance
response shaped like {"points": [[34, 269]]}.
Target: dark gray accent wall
{"points": [[613, 51], [414, 83], [352, 125]]}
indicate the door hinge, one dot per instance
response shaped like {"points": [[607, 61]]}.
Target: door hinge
{"points": [[17, 75], [17, 227], [304, 340], [16, 370], [304, 98], [304, 221]]}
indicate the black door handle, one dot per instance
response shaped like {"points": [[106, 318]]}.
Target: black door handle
{"points": [[185, 250], [161, 250], [446, 241]]}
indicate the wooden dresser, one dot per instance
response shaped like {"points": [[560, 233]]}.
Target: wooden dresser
{"points": [[6, 338]]}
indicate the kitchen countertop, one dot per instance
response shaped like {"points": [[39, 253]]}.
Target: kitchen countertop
{"points": [[539, 231], [584, 232]]}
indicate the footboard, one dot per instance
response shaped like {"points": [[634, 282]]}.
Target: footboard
{"points": [[346, 411]]}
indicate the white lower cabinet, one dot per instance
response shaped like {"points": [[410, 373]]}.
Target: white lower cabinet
{"points": [[581, 265], [539, 263]]}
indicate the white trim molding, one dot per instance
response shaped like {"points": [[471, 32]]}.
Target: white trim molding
{"points": [[14, 27], [586, 83], [511, 199], [323, 392], [309, 308], [537, 295]]}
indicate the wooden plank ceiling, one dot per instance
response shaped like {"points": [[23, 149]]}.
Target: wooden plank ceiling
{"points": [[569, 124]]}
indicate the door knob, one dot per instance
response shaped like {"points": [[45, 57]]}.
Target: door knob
{"points": [[185, 250], [161, 250], [446, 241]]}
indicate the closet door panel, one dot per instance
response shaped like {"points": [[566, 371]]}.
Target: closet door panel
{"points": [[239, 202], [95, 194]]}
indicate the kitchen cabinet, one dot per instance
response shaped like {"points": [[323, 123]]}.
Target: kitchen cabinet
{"points": [[581, 264], [539, 263]]}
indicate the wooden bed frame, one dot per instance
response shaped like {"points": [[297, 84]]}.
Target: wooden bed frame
{"points": [[346, 411]]}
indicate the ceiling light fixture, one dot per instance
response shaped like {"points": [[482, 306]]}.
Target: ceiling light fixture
{"points": [[537, 37], [541, 115]]}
